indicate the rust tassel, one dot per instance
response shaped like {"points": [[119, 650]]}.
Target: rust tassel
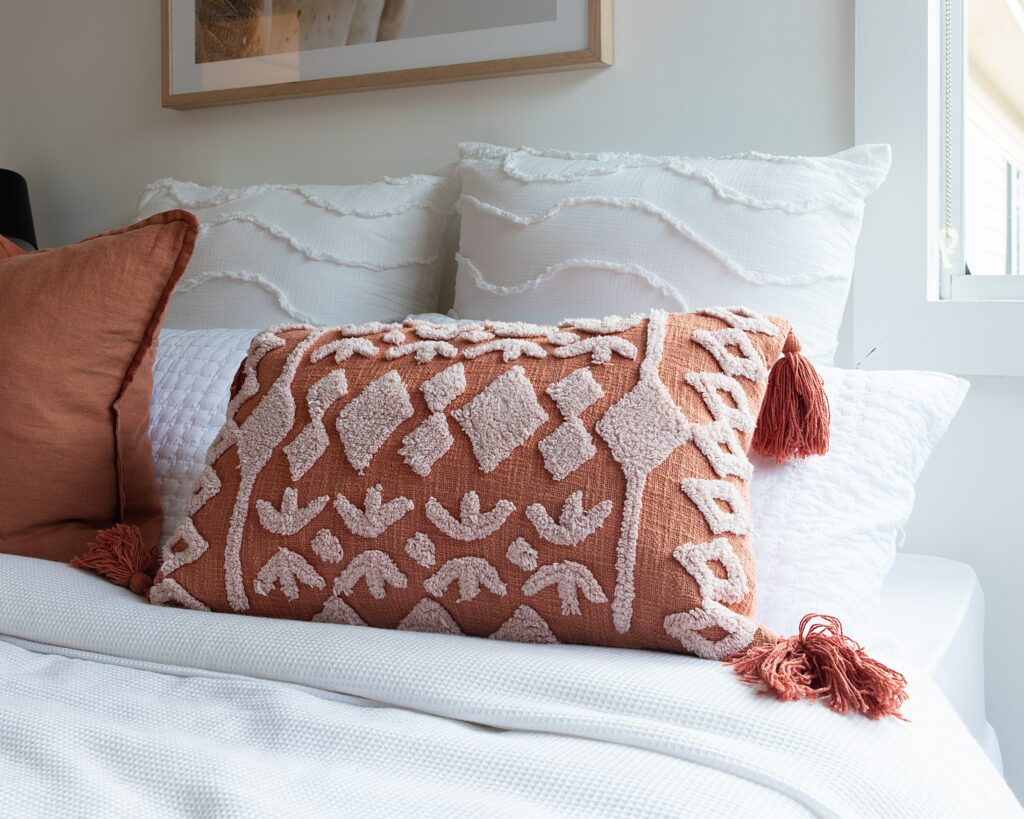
{"points": [[795, 414], [120, 555], [820, 662]]}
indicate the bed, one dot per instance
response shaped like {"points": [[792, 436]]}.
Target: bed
{"points": [[110, 706], [115, 707]]}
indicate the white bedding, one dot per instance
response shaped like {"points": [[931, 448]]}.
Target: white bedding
{"points": [[114, 707], [935, 609]]}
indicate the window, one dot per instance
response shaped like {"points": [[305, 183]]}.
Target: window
{"points": [[910, 311], [1015, 224], [982, 149]]}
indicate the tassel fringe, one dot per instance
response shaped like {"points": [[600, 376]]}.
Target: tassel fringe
{"points": [[795, 414], [822, 663], [120, 555]]}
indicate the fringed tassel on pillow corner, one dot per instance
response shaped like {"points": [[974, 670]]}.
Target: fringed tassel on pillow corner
{"points": [[820, 662], [795, 415], [121, 555]]}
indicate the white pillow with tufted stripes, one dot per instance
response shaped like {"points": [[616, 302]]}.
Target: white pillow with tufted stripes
{"points": [[322, 254], [549, 234]]}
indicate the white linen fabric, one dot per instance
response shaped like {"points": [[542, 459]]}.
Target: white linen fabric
{"points": [[117, 708], [550, 234], [826, 528], [322, 254]]}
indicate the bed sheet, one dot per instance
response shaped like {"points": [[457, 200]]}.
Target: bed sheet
{"points": [[936, 609]]}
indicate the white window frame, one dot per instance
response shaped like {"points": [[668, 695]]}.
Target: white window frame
{"points": [[900, 318], [1015, 219]]}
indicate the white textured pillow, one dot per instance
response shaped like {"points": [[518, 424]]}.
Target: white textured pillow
{"points": [[547, 234], [191, 384], [827, 528], [323, 254]]}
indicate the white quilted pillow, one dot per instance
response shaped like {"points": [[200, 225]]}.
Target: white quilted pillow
{"points": [[826, 528], [191, 385], [547, 234], [319, 254]]}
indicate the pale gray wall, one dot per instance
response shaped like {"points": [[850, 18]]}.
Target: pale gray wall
{"points": [[86, 127], [83, 122]]}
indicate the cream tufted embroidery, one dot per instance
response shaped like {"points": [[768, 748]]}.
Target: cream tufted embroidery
{"points": [[472, 523], [427, 444], [429, 616], [575, 393], [525, 626], [471, 573], [706, 494], [686, 627], [421, 549], [376, 568], [571, 579], [709, 385], [424, 351], [370, 418], [286, 569], [520, 553], [195, 547], [748, 364], [444, 387], [337, 611], [307, 447], [170, 592], [608, 324], [600, 349], [256, 439], [327, 547], [290, 519], [695, 557], [710, 438], [375, 517], [575, 524], [501, 418], [742, 318], [510, 349], [642, 429], [343, 349]]}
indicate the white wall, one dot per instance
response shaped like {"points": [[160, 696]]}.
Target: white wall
{"points": [[86, 127], [84, 124]]}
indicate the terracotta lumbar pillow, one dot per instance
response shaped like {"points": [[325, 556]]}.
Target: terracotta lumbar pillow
{"points": [[585, 483], [79, 327]]}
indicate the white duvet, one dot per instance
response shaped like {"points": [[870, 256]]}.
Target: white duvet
{"points": [[112, 707]]}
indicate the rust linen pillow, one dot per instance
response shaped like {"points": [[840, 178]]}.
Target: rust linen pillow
{"points": [[8, 249], [583, 484], [79, 327]]}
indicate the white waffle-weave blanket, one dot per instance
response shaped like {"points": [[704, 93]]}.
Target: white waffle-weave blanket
{"points": [[112, 707]]}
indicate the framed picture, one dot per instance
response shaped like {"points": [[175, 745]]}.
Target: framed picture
{"points": [[226, 51]]}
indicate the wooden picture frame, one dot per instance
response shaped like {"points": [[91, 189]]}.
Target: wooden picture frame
{"points": [[596, 53]]}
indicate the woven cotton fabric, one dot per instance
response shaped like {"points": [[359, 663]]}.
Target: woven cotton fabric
{"points": [[544, 232], [117, 708], [325, 254], [582, 483]]}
